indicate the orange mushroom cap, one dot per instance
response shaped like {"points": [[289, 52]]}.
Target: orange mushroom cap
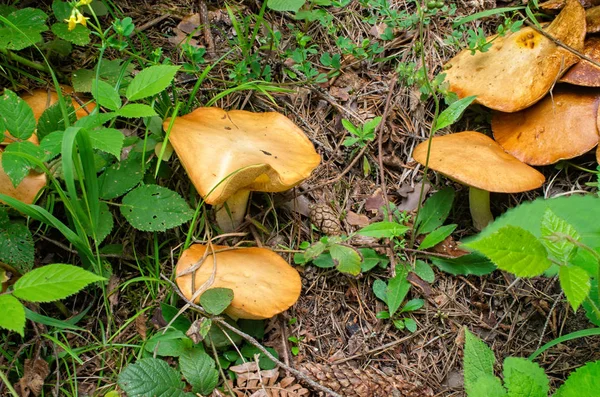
{"points": [[263, 283], [561, 126], [584, 73], [224, 152], [474, 159], [521, 67], [27, 190]]}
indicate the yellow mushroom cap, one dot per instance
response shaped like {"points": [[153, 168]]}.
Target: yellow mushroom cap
{"points": [[263, 283], [584, 73], [224, 152], [474, 159], [592, 19], [561, 126], [521, 67]]}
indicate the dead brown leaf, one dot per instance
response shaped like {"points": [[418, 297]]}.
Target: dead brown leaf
{"points": [[35, 371], [355, 219], [190, 24], [140, 325]]}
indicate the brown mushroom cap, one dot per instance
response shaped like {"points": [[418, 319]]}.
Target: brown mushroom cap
{"points": [[263, 283], [224, 152], [561, 126], [584, 73], [592, 19], [474, 159], [521, 67], [559, 4]]}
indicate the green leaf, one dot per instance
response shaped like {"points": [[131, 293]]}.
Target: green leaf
{"points": [[22, 29], [383, 229], [590, 304], [216, 300], [61, 9], [153, 208], [151, 377], [135, 110], [452, 113], [173, 343], [16, 166], [437, 236], [397, 289], [51, 144], [575, 282], [515, 250], [121, 177], [478, 361], [412, 305], [347, 259], [110, 70], [53, 282], [424, 271], [16, 115], [199, 370], [324, 261], [552, 227], [168, 312], [13, 314], [52, 120], [109, 140], [106, 95], [285, 5], [105, 223], [488, 386], [471, 264], [379, 289], [410, 324], [249, 351], [435, 211], [524, 378], [78, 36], [371, 259], [16, 246], [584, 381], [150, 81]]}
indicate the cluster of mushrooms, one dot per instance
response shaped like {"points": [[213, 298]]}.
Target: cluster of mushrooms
{"points": [[227, 155], [545, 108]]}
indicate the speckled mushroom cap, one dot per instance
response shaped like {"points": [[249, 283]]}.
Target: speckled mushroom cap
{"points": [[474, 159], [224, 152], [560, 126], [584, 73], [263, 283], [521, 67]]}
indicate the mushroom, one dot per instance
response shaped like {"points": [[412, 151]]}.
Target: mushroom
{"points": [[592, 19], [263, 283], [552, 5], [561, 126], [475, 160], [229, 154], [584, 73], [29, 187], [521, 67]]}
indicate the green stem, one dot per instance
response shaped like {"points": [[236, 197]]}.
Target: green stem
{"points": [[24, 61], [479, 203], [11, 389]]}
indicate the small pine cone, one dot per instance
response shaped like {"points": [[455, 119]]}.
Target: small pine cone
{"points": [[353, 382], [324, 218]]}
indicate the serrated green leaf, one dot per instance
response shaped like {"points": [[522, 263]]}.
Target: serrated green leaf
{"points": [[52, 120], [172, 343], [584, 381], [13, 314], [435, 211], [488, 386], [515, 250], [17, 116], [452, 113], [135, 110], [575, 282], [524, 378], [16, 246], [324, 261], [478, 361], [151, 377], [51, 144], [471, 264], [585, 260], [109, 140], [53, 282], [199, 370], [153, 208], [397, 289], [62, 10], [424, 271], [110, 70], [22, 29], [105, 222], [346, 258], [78, 36], [371, 259], [383, 229], [437, 236], [168, 312], [150, 81], [106, 95], [379, 289], [285, 5], [16, 166], [216, 300], [121, 177], [552, 227], [593, 302]]}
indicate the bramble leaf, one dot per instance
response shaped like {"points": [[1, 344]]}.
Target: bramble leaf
{"points": [[216, 300], [150, 81], [13, 314], [152, 377], [478, 362], [524, 378], [199, 370], [575, 282], [16, 115], [584, 381]]}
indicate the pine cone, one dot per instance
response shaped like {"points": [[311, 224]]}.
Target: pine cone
{"points": [[351, 382], [325, 219]]}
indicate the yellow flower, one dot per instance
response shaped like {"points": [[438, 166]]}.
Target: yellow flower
{"points": [[76, 18], [83, 2], [72, 22], [81, 19]]}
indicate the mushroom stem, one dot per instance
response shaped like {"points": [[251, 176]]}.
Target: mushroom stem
{"points": [[230, 214], [479, 202]]}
